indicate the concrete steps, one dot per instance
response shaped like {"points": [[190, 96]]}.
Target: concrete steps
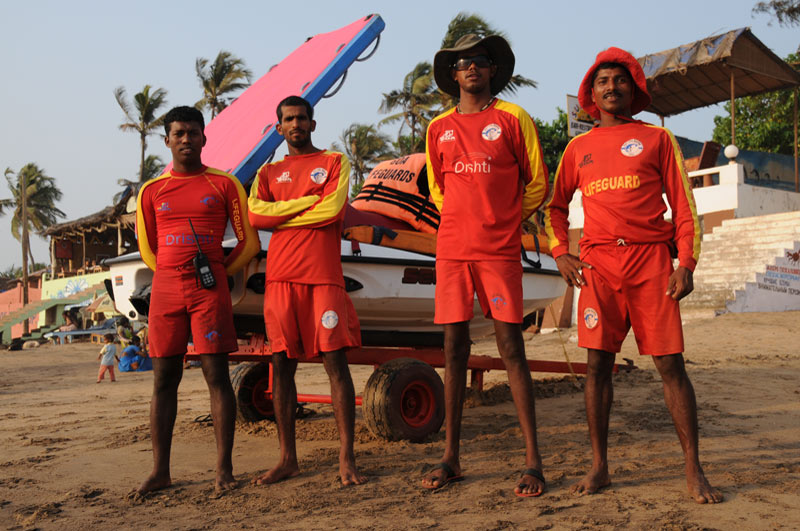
{"points": [[735, 257]]}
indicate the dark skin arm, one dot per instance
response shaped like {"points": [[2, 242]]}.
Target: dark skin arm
{"points": [[680, 283], [570, 267]]}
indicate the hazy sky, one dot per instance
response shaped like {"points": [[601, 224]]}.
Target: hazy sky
{"points": [[64, 59]]}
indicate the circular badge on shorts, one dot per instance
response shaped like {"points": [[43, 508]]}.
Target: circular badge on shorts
{"points": [[632, 148], [590, 318], [491, 132], [318, 175], [330, 319]]}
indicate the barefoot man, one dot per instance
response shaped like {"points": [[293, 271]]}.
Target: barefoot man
{"points": [[181, 308], [486, 176], [307, 312], [625, 267]]}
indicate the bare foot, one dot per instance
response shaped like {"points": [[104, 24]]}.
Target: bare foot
{"points": [[279, 473], [700, 489], [443, 474], [153, 483], [592, 482], [349, 474], [225, 482]]}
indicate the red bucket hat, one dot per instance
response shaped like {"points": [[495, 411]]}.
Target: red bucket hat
{"points": [[641, 99]]}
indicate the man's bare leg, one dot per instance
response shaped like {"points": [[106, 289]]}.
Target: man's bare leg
{"points": [[598, 396], [343, 398], [167, 373], [512, 351], [682, 404], [223, 413], [284, 400], [456, 355]]}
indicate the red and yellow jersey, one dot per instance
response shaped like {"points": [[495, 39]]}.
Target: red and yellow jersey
{"points": [[622, 172], [486, 175], [302, 198], [210, 199]]}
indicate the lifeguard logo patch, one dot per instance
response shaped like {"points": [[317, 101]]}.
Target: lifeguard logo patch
{"points": [[498, 301], [632, 148], [210, 201], [318, 175], [284, 178], [448, 136], [330, 319], [590, 318], [491, 132]]}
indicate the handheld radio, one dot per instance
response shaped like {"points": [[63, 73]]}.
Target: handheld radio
{"points": [[201, 266]]}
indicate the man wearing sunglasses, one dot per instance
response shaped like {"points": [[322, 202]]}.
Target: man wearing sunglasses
{"points": [[486, 175]]}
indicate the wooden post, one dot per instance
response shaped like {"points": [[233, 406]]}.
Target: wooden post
{"points": [[120, 248], [796, 179], [662, 120], [733, 111], [23, 196], [83, 240], [52, 257]]}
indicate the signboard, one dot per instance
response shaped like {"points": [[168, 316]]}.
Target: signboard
{"points": [[579, 121]]}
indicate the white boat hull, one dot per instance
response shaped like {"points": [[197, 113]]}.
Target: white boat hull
{"points": [[392, 290]]}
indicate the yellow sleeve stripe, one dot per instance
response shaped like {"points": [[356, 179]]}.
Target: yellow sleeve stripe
{"points": [[275, 209], [248, 237], [332, 204], [535, 190], [687, 190], [552, 240], [437, 195], [145, 249]]}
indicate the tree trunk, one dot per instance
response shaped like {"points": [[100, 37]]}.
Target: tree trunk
{"points": [[141, 162], [25, 245]]}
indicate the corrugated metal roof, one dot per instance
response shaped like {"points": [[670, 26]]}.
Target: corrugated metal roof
{"points": [[699, 74]]}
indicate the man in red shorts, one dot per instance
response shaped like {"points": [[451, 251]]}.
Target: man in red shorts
{"points": [[625, 268], [307, 312], [486, 175], [181, 309]]}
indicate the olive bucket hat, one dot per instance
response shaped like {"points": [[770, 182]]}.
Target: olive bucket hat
{"points": [[499, 52]]}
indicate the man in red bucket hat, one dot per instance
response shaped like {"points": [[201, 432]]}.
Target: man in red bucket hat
{"points": [[625, 269]]}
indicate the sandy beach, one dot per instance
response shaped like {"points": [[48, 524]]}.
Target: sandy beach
{"points": [[72, 449]]}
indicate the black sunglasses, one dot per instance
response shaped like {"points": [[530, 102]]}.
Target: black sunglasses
{"points": [[481, 61]]}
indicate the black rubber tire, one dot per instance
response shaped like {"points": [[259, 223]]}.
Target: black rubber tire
{"points": [[250, 380], [404, 400]]}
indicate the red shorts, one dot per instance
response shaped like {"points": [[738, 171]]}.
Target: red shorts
{"points": [[625, 288], [498, 285], [182, 311], [305, 320]]}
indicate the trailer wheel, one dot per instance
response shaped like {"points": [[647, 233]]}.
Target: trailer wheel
{"points": [[250, 382], [404, 400]]}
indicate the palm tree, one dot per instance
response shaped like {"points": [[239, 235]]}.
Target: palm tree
{"points": [[365, 146], [465, 23], [415, 100], [226, 74], [146, 120], [33, 198], [153, 167]]}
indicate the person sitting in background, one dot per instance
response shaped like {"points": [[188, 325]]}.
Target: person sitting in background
{"points": [[132, 358], [70, 323], [124, 331]]}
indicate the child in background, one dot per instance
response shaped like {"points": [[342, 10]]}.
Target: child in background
{"points": [[107, 356]]}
